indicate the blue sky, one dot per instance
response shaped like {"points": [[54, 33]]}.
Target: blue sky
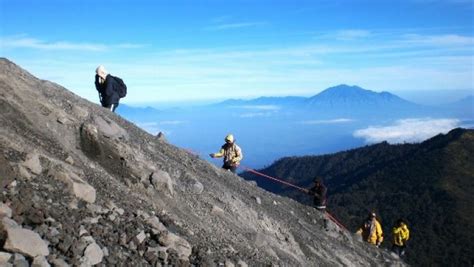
{"points": [[169, 51]]}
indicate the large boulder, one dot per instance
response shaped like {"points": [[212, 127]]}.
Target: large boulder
{"points": [[76, 185], [26, 242], [162, 181], [109, 128], [192, 184], [156, 224], [93, 254], [182, 247], [32, 163]]}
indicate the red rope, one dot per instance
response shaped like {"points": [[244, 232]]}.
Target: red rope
{"points": [[335, 221], [294, 186], [274, 179], [285, 183]]}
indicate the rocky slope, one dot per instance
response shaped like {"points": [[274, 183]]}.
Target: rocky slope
{"points": [[81, 186]]}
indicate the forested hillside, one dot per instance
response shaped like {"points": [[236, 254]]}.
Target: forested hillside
{"points": [[430, 184]]}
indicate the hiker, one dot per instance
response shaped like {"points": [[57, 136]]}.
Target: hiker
{"points": [[107, 87], [318, 191], [231, 152], [401, 234], [371, 230]]}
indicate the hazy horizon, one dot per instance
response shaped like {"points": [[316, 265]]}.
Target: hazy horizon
{"points": [[422, 97]]}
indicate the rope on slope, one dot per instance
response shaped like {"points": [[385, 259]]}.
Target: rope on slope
{"points": [[304, 190], [331, 217]]}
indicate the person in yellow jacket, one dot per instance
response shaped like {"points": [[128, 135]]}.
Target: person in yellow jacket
{"points": [[371, 230], [401, 234], [231, 152]]}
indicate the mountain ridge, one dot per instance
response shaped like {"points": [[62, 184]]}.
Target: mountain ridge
{"points": [[342, 93]]}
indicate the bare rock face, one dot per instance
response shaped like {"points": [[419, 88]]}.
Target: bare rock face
{"points": [[162, 181]]}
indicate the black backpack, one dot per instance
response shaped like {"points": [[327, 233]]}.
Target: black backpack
{"points": [[122, 88]]}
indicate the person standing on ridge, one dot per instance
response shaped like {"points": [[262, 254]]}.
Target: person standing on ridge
{"points": [[108, 87], [231, 152], [401, 234], [318, 191], [371, 230]]}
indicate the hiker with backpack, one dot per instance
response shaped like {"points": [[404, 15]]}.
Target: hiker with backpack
{"points": [[110, 88], [400, 234], [371, 230], [318, 191], [231, 152]]}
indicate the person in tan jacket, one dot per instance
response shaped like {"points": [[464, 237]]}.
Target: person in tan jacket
{"points": [[371, 230], [231, 153]]}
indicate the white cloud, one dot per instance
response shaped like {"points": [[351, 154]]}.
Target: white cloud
{"points": [[438, 40], [407, 130], [33, 43], [256, 114], [333, 121]]}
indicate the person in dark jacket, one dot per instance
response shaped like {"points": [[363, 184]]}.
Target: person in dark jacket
{"points": [[318, 191], [107, 87]]}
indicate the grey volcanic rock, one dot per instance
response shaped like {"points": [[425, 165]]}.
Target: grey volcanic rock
{"points": [[110, 205], [109, 128], [5, 210], [33, 163], [77, 186], [93, 254], [162, 181], [26, 242], [4, 257], [180, 245], [40, 261]]}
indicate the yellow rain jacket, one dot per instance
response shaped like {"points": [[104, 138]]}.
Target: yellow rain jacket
{"points": [[371, 232], [232, 154], [401, 234]]}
